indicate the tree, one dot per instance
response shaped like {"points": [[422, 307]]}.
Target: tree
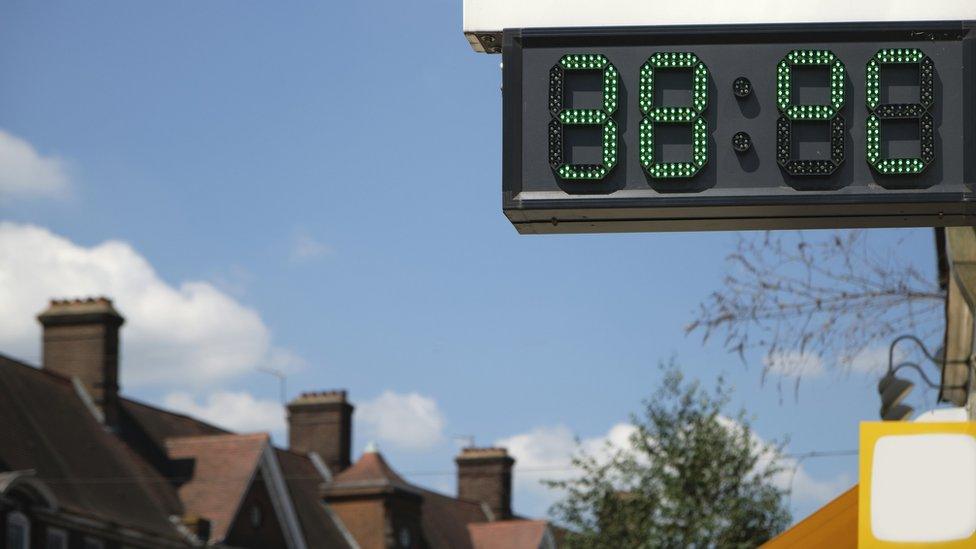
{"points": [[831, 298], [689, 477]]}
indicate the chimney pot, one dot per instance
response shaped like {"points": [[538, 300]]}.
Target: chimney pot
{"points": [[81, 339], [321, 422], [485, 475]]}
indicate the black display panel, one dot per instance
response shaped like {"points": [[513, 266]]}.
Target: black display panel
{"points": [[739, 127]]}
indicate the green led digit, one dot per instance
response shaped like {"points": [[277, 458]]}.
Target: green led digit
{"points": [[656, 114], [911, 111], [603, 117], [791, 112]]}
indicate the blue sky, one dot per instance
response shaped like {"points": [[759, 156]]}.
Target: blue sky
{"points": [[326, 182]]}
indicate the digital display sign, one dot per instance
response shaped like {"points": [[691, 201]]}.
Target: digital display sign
{"points": [[739, 127]]}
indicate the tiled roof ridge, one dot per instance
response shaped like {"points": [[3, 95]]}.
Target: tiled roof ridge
{"points": [[512, 521], [378, 483], [428, 491], [221, 436], [303, 455], [172, 413], [59, 377]]}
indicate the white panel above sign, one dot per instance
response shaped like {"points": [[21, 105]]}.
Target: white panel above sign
{"points": [[485, 19]]}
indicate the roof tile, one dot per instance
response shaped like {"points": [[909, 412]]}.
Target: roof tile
{"points": [[222, 469], [91, 472], [508, 534]]}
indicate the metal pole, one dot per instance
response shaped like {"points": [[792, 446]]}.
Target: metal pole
{"points": [[281, 381]]}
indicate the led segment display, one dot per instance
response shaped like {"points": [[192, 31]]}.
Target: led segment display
{"points": [[743, 127], [655, 114], [918, 112], [602, 118], [792, 112]]}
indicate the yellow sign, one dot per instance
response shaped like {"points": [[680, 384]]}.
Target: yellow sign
{"points": [[917, 485]]}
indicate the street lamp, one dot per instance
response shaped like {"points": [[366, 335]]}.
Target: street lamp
{"points": [[893, 390]]}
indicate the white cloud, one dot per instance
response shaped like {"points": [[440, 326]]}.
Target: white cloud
{"points": [[306, 247], [236, 411], [872, 360], [190, 333], [284, 361], [24, 172], [542, 448], [546, 453], [805, 489], [408, 421], [793, 477], [617, 438], [794, 364], [550, 449], [234, 280], [869, 360]]}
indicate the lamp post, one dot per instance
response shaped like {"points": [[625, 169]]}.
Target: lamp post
{"points": [[893, 390]]}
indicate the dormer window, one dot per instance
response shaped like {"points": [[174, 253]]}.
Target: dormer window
{"points": [[18, 530]]}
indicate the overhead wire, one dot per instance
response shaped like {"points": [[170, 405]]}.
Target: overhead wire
{"points": [[421, 473]]}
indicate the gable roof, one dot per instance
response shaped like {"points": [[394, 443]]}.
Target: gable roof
{"points": [[91, 472], [320, 527], [223, 467], [159, 424], [444, 519], [508, 534], [371, 471]]}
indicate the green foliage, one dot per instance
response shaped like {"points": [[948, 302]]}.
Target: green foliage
{"points": [[690, 477]]}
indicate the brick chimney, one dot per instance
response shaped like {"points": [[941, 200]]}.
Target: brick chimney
{"points": [[485, 475], [81, 339], [321, 422]]}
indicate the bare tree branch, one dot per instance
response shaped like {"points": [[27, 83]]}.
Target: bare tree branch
{"points": [[830, 297]]}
